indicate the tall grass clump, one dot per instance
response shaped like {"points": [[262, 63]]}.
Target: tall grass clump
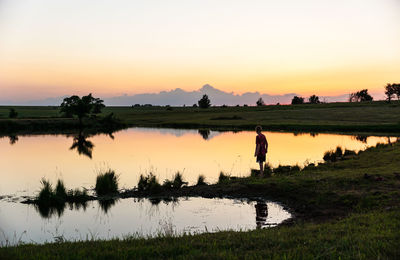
{"points": [[46, 194], [148, 183], [201, 180], [106, 183], [223, 178], [60, 190], [176, 183]]}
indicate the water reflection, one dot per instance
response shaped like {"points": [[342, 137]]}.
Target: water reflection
{"points": [[106, 204], [205, 133], [50, 210], [13, 139], [141, 218], [261, 214], [82, 145], [137, 151]]}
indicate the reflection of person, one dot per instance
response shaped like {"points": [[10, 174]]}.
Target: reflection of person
{"points": [[261, 148], [261, 214]]}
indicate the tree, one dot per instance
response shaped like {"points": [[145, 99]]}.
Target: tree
{"points": [[12, 113], [390, 91], [314, 99], [396, 90], [260, 102], [297, 100], [204, 102], [360, 96], [81, 107]]}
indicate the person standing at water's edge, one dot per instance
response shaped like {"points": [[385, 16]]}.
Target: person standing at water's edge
{"points": [[261, 148]]}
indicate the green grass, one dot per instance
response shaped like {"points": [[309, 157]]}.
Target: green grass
{"points": [[376, 116]]}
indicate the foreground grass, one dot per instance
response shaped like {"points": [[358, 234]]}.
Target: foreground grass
{"points": [[347, 209], [372, 235], [376, 116]]}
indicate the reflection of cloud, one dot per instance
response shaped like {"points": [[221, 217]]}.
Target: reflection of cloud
{"points": [[180, 132]]}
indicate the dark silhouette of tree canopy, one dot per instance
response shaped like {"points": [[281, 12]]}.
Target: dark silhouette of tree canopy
{"points": [[204, 102], [392, 90], [314, 99], [297, 100], [260, 102], [81, 107], [360, 96]]}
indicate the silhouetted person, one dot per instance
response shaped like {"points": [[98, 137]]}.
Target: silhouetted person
{"points": [[261, 149], [261, 214]]}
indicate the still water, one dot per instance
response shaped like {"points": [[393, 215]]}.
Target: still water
{"points": [[76, 159], [21, 223]]}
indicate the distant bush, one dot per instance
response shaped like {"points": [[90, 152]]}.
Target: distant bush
{"points": [[201, 180], [313, 99], [260, 102], [106, 183], [360, 96], [204, 102], [12, 113], [297, 100]]}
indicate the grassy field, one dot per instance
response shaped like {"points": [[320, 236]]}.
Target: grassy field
{"points": [[347, 209], [338, 117]]}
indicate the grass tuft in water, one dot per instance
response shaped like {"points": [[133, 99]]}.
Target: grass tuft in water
{"points": [[46, 194], [223, 178], [106, 183], [201, 180], [149, 183]]}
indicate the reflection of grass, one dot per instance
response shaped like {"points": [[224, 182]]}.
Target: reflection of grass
{"points": [[49, 201], [106, 183]]}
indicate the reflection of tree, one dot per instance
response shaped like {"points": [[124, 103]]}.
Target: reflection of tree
{"points": [[82, 145], [205, 133], [13, 139], [261, 214], [106, 204], [313, 134], [361, 138]]}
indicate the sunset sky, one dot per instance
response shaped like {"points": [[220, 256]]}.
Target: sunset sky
{"points": [[52, 48]]}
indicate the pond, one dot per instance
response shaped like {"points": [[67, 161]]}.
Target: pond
{"points": [[77, 159], [20, 223]]}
